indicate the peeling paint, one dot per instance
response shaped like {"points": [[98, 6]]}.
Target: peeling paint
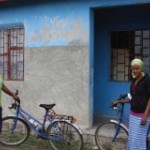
{"points": [[68, 30]]}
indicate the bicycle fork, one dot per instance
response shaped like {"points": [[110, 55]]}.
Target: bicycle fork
{"points": [[117, 132], [15, 121], [118, 126]]}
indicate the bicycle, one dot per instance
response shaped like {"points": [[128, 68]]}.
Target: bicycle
{"points": [[113, 135], [60, 130]]}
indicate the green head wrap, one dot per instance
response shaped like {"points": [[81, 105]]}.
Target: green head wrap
{"points": [[139, 63]]}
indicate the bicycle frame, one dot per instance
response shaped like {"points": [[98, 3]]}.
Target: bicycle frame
{"points": [[20, 113], [120, 122]]}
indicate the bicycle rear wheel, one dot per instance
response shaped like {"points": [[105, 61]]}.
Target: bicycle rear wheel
{"points": [[67, 136], [13, 134], [106, 140]]}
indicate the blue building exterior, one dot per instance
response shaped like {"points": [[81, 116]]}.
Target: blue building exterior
{"points": [[119, 18], [82, 22]]}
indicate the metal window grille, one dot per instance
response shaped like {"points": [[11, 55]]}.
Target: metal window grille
{"points": [[126, 45], [12, 53]]}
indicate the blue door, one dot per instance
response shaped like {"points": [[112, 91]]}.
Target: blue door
{"points": [[128, 19]]}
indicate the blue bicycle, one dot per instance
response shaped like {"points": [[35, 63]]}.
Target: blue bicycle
{"points": [[60, 130], [113, 135]]}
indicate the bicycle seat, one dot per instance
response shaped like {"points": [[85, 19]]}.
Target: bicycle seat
{"points": [[47, 106]]}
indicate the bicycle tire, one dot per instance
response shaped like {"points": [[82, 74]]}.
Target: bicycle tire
{"points": [[70, 138], [18, 136], [104, 135]]}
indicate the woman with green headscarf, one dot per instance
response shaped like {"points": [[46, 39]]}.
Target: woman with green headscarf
{"points": [[139, 120]]}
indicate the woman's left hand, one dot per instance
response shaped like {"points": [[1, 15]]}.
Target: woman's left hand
{"points": [[144, 120]]}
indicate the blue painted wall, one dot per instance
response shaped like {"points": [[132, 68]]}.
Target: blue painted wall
{"points": [[50, 23], [107, 20], [53, 22]]}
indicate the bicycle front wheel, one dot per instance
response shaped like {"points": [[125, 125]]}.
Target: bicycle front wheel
{"points": [[105, 137], [14, 132], [67, 136]]}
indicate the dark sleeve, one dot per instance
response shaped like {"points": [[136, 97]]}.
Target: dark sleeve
{"points": [[148, 86], [131, 90]]}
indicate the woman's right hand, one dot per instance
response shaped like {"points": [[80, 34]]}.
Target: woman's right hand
{"points": [[114, 103]]}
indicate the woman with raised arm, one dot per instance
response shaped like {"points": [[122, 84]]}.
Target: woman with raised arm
{"points": [[139, 120], [8, 92]]}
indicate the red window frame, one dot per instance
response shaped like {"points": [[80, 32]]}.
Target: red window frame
{"points": [[12, 53]]}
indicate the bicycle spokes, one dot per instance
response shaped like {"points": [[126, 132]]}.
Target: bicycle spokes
{"points": [[68, 136]]}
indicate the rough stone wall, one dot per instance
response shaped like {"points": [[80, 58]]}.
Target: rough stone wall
{"points": [[58, 74]]}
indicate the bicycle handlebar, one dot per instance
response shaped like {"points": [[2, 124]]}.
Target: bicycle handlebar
{"points": [[14, 105], [123, 96]]}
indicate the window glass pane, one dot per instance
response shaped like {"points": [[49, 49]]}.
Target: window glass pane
{"points": [[1, 43], [1, 64], [146, 69], [1, 59], [20, 74], [5, 75], [146, 43], [146, 51], [127, 61], [126, 71], [146, 61], [13, 71], [5, 50], [120, 67], [146, 34], [138, 40], [120, 76], [20, 65], [1, 34], [138, 33], [5, 66], [138, 49], [5, 58], [20, 55], [120, 59]]}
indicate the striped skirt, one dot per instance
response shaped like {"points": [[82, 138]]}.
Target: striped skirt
{"points": [[137, 134]]}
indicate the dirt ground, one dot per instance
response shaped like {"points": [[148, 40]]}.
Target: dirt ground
{"points": [[37, 146], [34, 143], [28, 147], [23, 147]]}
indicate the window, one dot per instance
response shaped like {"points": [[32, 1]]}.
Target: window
{"points": [[125, 46], [12, 51]]}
